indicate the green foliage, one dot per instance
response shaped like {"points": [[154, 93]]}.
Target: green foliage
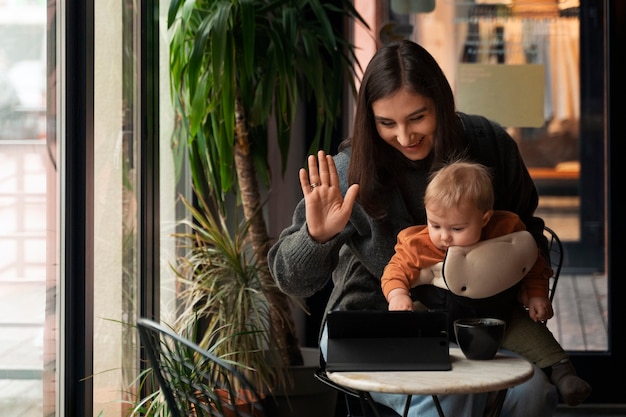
{"points": [[239, 68], [221, 290], [201, 386], [151, 406], [270, 54]]}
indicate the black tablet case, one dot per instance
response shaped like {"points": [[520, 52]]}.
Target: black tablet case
{"points": [[387, 341]]}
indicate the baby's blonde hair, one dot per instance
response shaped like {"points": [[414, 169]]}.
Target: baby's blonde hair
{"points": [[459, 183]]}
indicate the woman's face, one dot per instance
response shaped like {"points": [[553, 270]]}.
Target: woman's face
{"points": [[406, 121]]}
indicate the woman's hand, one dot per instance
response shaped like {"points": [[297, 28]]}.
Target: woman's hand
{"points": [[327, 212]]}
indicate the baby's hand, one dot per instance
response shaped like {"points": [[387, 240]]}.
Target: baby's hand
{"points": [[400, 300], [540, 308]]}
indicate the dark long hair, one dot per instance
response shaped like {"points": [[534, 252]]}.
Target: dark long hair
{"points": [[395, 66]]}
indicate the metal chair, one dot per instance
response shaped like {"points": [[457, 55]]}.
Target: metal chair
{"points": [[193, 381], [353, 400], [555, 250], [352, 397]]}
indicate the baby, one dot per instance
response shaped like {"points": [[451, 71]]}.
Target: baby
{"points": [[459, 203]]}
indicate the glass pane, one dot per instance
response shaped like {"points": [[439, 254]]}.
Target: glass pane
{"points": [[116, 167], [518, 63], [27, 225], [22, 71], [172, 178], [509, 61]]}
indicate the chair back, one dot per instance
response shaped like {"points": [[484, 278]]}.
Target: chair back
{"points": [[193, 381], [555, 250]]}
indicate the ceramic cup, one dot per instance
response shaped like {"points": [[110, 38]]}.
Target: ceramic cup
{"points": [[479, 338]]}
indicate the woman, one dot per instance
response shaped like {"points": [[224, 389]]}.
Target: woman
{"points": [[356, 202]]}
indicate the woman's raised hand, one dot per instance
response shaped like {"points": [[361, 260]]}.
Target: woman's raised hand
{"points": [[327, 212]]}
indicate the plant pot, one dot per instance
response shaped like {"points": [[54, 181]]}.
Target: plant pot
{"points": [[308, 397], [243, 405]]}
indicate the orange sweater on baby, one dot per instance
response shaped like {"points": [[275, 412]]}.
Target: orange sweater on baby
{"points": [[414, 251]]}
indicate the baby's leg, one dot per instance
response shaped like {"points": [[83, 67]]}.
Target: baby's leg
{"points": [[532, 340], [536, 343]]}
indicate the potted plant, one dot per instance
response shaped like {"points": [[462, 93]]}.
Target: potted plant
{"points": [[237, 65], [223, 307]]}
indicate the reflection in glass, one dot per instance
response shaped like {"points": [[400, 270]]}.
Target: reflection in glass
{"points": [[27, 223], [564, 150], [116, 170]]}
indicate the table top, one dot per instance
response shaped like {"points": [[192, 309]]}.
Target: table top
{"points": [[467, 376]]}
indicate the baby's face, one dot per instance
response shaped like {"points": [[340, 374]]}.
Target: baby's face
{"points": [[456, 227]]}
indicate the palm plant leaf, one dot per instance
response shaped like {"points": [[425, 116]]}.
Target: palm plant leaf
{"points": [[221, 290], [238, 67], [270, 54]]}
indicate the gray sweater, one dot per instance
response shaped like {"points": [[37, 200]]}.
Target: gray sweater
{"points": [[356, 257]]}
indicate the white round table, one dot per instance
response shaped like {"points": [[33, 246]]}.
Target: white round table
{"points": [[466, 377]]}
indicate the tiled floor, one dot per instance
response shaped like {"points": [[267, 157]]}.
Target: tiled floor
{"points": [[580, 305]]}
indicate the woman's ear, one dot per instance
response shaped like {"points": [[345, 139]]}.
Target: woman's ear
{"points": [[487, 216]]}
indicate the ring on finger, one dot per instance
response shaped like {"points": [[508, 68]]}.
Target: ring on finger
{"points": [[314, 184]]}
